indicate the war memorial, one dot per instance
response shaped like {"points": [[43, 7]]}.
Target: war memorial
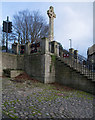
{"points": [[47, 62]]}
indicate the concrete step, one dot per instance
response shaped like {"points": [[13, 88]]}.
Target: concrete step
{"points": [[78, 67]]}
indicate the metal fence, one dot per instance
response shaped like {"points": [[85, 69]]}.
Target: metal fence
{"points": [[81, 64]]}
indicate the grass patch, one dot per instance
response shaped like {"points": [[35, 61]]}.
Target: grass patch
{"points": [[10, 115], [46, 98], [84, 95]]}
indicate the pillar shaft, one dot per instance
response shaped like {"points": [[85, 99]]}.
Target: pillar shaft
{"points": [[51, 16]]}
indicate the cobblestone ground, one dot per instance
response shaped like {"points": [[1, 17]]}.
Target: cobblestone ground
{"points": [[37, 100]]}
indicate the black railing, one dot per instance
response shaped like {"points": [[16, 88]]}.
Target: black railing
{"points": [[81, 64], [87, 63]]}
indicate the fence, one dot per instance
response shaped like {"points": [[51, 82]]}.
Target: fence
{"points": [[81, 64]]}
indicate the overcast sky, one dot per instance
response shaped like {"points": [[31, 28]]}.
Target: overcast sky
{"points": [[73, 21]]}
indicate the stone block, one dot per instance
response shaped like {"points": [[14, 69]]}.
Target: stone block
{"points": [[14, 73]]}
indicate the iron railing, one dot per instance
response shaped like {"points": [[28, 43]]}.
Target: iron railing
{"points": [[81, 64]]}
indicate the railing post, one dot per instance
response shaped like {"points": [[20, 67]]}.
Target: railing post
{"points": [[76, 55], [71, 51]]}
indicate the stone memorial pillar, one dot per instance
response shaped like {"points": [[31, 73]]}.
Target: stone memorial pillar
{"points": [[15, 48], [56, 48], [51, 15], [45, 45], [76, 55], [71, 51], [28, 49]]}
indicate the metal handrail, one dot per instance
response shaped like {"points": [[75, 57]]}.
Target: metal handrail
{"points": [[81, 64]]}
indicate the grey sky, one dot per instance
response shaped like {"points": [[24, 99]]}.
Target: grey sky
{"points": [[73, 20]]}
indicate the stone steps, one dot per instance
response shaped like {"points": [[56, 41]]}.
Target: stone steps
{"points": [[78, 67]]}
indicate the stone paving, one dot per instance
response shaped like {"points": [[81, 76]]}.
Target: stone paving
{"points": [[37, 100]]}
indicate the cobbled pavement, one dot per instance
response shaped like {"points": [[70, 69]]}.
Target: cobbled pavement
{"points": [[36, 100]]}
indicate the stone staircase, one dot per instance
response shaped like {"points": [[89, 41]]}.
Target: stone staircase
{"points": [[78, 67]]}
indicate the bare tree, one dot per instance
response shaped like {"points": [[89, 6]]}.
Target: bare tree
{"points": [[29, 26]]}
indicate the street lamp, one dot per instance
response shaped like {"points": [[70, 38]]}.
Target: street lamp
{"points": [[70, 43]]}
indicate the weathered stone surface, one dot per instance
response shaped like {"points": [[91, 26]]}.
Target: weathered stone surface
{"points": [[68, 76], [51, 15], [14, 73]]}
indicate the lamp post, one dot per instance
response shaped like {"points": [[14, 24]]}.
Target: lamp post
{"points": [[7, 28], [7, 35], [70, 43]]}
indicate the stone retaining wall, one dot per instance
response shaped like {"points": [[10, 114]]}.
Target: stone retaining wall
{"points": [[43, 68], [11, 61], [34, 66], [70, 77]]}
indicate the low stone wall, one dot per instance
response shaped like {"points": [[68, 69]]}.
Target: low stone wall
{"points": [[70, 77], [34, 66], [11, 61], [20, 62], [31, 64], [38, 67]]}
